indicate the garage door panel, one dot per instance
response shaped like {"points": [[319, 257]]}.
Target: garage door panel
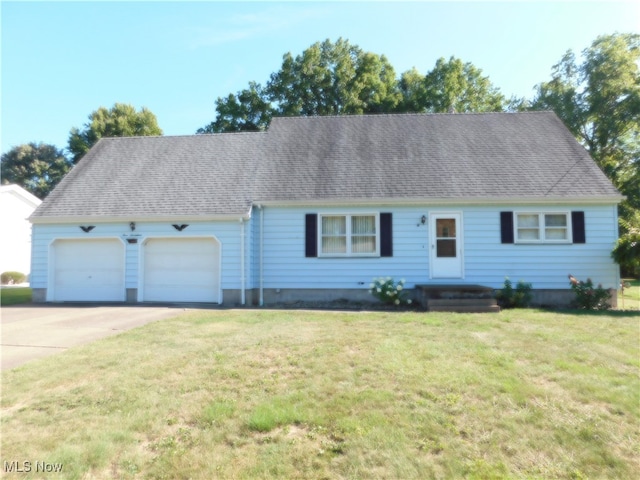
{"points": [[88, 270], [181, 270]]}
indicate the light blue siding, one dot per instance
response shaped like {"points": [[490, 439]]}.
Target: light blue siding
{"points": [[486, 260], [227, 233], [283, 263]]}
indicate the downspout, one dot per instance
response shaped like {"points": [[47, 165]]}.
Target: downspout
{"points": [[242, 273], [261, 254]]}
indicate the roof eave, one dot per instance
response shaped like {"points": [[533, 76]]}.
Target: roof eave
{"points": [[47, 220], [441, 202]]}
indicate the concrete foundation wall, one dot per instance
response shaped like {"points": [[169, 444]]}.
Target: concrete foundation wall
{"points": [[291, 295], [552, 298], [39, 295], [132, 295], [273, 296], [562, 298]]}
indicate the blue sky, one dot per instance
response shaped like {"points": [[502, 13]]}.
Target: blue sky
{"points": [[63, 60]]}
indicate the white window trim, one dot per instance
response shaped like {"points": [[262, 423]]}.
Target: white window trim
{"points": [[348, 216], [541, 228]]}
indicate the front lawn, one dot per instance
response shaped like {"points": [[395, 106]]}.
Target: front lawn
{"points": [[15, 295], [298, 394], [629, 298]]}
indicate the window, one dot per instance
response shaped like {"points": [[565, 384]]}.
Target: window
{"points": [[349, 235], [542, 228]]}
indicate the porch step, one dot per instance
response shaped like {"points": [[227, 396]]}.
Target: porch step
{"points": [[462, 302], [452, 309], [457, 298]]}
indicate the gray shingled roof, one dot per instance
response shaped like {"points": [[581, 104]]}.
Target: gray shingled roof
{"points": [[492, 156], [137, 177], [439, 156]]}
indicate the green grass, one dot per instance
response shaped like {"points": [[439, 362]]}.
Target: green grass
{"points": [[15, 295], [294, 394], [629, 299]]}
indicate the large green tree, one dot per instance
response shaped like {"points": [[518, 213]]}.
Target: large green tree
{"points": [[332, 79], [36, 167], [325, 79], [338, 78], [121, 120], [452, 86], [599, 101], [626, 251], [248, 110]]}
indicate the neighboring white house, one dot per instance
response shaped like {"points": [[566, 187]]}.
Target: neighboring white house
{"points": [[316, 207], [16, 205]]}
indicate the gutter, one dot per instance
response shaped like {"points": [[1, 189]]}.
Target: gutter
{"points": [[97, 218], [466, 201]]}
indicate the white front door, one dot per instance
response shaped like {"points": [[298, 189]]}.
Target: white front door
{"points": [[445, 238]]}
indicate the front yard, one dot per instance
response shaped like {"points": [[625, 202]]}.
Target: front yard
{"points": [[14, 295], [298, 394]]}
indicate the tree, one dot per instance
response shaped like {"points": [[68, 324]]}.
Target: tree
{"points": [[626, 251], [326, 79], [121, 120], [36, 167], [454, 86], [248, 110], [333, 79], [599, 101], [414, 92]]}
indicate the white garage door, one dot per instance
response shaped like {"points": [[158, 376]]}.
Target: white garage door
{"points": [[181, 270], [88, 270]]}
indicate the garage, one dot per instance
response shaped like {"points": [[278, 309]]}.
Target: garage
{"points": [[181, 270], [87, 270]]}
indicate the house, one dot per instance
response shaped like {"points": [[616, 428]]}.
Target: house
{"points": [[16, 205], [316, 207]]}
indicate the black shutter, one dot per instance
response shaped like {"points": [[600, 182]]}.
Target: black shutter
{"points": [[386, 235], [577, 225], [311, 235], [506, 227]]}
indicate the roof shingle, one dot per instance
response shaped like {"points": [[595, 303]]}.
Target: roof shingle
{"points": [[500, 156]]}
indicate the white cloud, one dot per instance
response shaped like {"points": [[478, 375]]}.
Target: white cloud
{"points": [[253, 25]]}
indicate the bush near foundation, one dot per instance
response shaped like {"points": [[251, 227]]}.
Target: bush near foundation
{"points": [[519, 297], [389, 292], [589, 297]]}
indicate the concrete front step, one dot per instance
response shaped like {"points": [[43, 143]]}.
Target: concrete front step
{"points": [[463, 302], [457, 298], [465, 308], [462, 305]]}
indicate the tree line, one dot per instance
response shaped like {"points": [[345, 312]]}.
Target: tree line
{"points": [[598, 99]]}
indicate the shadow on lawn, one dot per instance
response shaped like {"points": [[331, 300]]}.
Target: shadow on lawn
{"points": [[596, 313]]}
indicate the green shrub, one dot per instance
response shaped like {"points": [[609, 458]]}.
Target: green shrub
{"points": [[588, 297], [11, 278], [389, 292], [520, 297]]}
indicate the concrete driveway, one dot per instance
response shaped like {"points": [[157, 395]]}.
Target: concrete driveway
{"points": [[30, 332]]}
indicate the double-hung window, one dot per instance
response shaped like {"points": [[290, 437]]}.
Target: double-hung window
{"points": [[349, 235], [543, 227]]}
